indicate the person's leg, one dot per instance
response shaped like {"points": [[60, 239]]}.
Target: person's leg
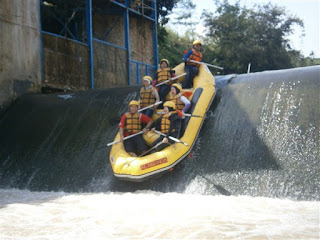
{"points": [[162, 146], [140, 145], [194, 71], [129, 147], [166, 90], [185, 83], [163, 91]]}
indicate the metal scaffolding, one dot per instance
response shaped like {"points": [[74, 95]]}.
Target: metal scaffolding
{"points": [[76, 24]]}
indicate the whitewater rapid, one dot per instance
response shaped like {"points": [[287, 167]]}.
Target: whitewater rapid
{"points": [[153, 215]]}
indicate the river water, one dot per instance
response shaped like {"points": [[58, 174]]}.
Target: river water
{"points": [[254, 171], [153, 215]]}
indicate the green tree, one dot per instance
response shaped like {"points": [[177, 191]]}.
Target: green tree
{"points": [[172, 46], [185, 15], [241, 36], [164, 8]]}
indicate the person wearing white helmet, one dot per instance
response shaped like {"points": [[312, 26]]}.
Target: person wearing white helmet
{"points": [[192, 68], [148, 96], [131, 123]]}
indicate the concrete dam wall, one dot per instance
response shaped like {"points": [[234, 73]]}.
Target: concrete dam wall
{"points": [[260, 138]]}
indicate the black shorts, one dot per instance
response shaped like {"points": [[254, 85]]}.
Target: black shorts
{"points": [[136, 144]]}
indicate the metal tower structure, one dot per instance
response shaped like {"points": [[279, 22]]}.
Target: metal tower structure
{"points": [[75, 23]]}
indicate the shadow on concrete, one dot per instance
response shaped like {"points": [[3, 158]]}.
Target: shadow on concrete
{"points": [[56, 142]]}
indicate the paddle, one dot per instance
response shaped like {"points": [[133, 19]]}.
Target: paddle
{"points": [[209, 65], [185, 114], [191, 115], [158, 144], [171, 79], [172, 138], [157, 103], [130, 136]]}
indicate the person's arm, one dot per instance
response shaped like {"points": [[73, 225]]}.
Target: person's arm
{"points": [[156, 95], [155, 80], [187, 55], [172, 73], [186, 103], [121, 131], [174, 124], [146, 129], [121, 127], [145, 119], [157, 125]]}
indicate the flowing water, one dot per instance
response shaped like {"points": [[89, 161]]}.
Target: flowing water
{"points": [[254, 172]]}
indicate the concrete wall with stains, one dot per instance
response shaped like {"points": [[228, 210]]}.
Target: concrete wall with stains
{"points": [[19, 49]]}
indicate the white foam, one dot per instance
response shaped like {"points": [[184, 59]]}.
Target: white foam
{"points": [[153, 215]]}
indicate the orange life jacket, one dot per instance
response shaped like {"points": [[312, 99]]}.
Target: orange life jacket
{"points": [[163, 75], [176, 100], [133, 124], [146, 97], [196, 56]]}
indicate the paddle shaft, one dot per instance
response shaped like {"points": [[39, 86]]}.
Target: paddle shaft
{"points": [[130, 136], [172, 138], [209, 65], [176, 77], [158, 144], [190, 115], [142, 109]]}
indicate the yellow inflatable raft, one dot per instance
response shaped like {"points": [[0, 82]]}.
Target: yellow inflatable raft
{"points": [[141, 168]]}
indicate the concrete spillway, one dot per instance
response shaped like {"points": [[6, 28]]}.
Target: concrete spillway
{"points": [[260, 138]]}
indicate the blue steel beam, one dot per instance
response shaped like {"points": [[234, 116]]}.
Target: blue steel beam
{"points": [[127, 39], [41, 45], [89, 38], [155, 36]]}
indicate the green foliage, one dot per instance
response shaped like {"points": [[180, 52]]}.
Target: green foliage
{"points": [[172, 46], [241, 36], [164, 7], [185, 14]]}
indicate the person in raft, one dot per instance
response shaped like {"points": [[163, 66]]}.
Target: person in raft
{"points": [[148, 96], [164, 73], [191, 68], [181, 102], [131, 123], [169, 124]]}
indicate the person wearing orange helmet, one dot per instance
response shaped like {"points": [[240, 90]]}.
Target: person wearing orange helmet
{"points": [[163, 74], [131, 123], [169, 124], [192, 68]]}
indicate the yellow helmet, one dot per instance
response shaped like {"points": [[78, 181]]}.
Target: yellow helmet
{"points": [[177, 86], [134, 102], [170, 104], [147, 78], [195, 42], [164, 60]]}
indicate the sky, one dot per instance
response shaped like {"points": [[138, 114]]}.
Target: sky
{"points": [[307, 10]]}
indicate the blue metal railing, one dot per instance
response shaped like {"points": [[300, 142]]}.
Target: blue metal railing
{"points": [[147, 69], [73, 36]]}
